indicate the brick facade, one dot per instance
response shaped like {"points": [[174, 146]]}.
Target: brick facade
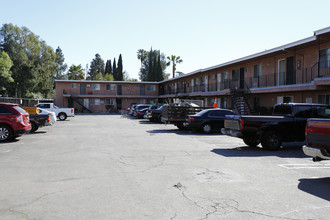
{"points": [[297, 72]]}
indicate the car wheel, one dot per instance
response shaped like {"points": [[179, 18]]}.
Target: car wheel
{"points": [[62, 116], [180, 126], [5, 133], [271, 140], [251, 141], [34, 127], [206, 128]]}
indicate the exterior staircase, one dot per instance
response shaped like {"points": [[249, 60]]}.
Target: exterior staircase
{"points": [[239, 97], [75, 99]]}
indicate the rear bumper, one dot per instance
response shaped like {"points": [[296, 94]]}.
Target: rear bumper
{"points": [[315, 152], [230, 132], [19, 133]]}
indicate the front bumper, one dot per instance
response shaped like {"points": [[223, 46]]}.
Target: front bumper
{"points": [[230, 132], [315, 152]]}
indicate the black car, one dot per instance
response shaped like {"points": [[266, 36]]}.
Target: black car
{"points": [[138, 110], [208, 120], [155, 114]]}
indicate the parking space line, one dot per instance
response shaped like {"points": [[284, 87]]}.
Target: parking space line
{"points": [[305, 166]]}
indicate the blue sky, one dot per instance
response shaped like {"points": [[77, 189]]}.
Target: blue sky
{"points": [[204, 33]]}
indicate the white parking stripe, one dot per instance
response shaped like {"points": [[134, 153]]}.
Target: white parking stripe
{"points": [[305, 166]]}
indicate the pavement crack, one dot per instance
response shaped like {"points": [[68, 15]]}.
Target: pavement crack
{"points": [[161, 163], [33, 201], [15, 212]]}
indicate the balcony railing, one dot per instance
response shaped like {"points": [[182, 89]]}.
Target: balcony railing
{"points": [[300, 76]]}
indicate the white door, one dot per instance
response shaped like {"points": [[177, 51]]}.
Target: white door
{"points": [[86, 103]]}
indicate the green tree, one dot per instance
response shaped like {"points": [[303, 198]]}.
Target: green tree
{"points": [[5, 74], [114, 69], [76, 72], [153, 68], [108, 67], [97, 66], [120, 69], [33, 67], [60, 65], [142, 55], [108, 77], [174, 60]]}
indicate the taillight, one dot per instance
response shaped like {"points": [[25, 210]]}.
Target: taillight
{"points": [[191, 119], [139, 112], [241, 122], [19, 118], [72, 110]]}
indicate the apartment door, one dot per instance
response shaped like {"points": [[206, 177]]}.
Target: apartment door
{"points": [[281, 72], [86, 103], [82, 89], [290, 73], [119, 91], [241, 78], [142, 90]]}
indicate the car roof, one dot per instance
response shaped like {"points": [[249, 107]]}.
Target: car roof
{"points": [[8, 104]]}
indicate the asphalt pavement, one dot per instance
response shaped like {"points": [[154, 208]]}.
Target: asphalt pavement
{"points": [[108, 167]]}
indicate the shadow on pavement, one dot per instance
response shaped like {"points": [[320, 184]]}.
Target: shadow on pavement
{"points": [[318, 187], [288, 151], [180, 132]]}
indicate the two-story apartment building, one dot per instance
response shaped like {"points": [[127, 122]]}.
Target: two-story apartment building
{"points": [[104, 96], [295, 72]]}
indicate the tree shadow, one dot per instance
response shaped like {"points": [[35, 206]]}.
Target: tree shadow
{"points": [[286, 151], [318, 187]]}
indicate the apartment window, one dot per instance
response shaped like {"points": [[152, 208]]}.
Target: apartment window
{"points": [[257, 70], [110, 101], [235, 75], [325, 58], [202, 80], [324, 99], [151, 88], [195, 81], [224, 76], [95, 86], [74, 85], [95, 101], [111, 87]]}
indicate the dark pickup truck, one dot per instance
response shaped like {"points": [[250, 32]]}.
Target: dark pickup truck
{"points": [[318, 139], [176, 114], [287, 124]]}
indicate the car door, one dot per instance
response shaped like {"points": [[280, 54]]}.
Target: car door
{"points": [[216, 118]]}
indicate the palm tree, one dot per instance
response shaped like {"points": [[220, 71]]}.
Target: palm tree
{"points": [[175, 60], [76, 72], [142, 55]]}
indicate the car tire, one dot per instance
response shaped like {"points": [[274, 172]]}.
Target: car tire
{"points": [[34, 127], [251, 141], [271, 140], [62, 116], [206, 128], [5, 133], [181, 126]]}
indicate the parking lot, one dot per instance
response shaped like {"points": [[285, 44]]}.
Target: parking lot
{"points": [[108, 167]]}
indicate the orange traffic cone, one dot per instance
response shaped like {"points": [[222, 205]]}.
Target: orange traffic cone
{"points": [[215, 103]]}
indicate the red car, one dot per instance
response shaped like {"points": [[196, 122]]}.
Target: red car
{"points": [[14, 121]]}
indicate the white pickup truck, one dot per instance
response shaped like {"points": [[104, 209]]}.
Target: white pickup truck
{"points": [[61, 113]]}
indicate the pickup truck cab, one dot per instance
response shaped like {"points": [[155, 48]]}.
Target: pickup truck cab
{"points": [[318, 139], [14, 121], [287, 124], [61, 113], [36, 119]]}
